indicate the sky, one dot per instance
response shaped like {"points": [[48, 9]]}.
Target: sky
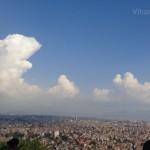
{"points": [[75, 58]]}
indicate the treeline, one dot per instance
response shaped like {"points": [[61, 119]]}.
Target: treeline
{"points": [[27, 144]]}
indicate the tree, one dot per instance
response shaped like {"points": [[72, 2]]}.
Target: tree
{"points": [[65, 138], [92, 143], [3, 144], [29, 144]]}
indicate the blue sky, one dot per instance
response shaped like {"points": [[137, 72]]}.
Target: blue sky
{"points": [[88, 41]]}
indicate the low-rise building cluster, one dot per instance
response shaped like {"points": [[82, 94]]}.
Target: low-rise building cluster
{"points": [[81, 134]]}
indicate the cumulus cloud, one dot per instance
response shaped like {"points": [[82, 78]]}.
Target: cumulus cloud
{"points": [[15, 50], [132, 88], [125, 87], [65, 88], [14, 53]]}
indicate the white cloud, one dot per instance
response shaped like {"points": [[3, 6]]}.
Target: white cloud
{"points": [[132, 88], [65, 88], [127, 82], [126, 88], [14, 53], [15, 50]]}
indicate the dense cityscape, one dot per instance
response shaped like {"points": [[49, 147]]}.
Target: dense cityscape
{"points": [[72, 133]]}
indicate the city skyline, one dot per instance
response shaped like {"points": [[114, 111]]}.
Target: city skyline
{"points": [[79, 58]]}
